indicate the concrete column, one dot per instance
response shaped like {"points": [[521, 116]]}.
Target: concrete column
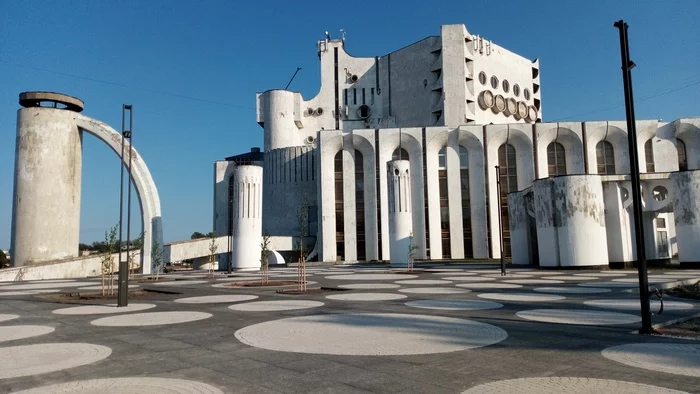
{"points": [[247, 218], [278, 115], [685, 187], [400, 212], [519, 229], [46, 214]]}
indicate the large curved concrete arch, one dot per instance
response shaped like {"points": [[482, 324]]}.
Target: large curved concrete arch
{"points": [[146, 190]]}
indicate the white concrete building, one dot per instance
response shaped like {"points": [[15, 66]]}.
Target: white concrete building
{"points": [[455, 106]]}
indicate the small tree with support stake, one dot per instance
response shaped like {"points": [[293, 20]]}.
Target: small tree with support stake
{"points": [[302, 217], [264, 254], [156, 258], [212, 255], [107, 261], [411, 252]]}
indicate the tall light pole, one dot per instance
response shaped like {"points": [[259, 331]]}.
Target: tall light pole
{"points": [[627, 66], [500, 222], [123, 289]]}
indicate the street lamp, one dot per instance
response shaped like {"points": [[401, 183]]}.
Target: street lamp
{"points": [[123, 289], [500, 222]]}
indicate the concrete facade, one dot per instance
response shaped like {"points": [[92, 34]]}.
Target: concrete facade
{"points": [[247, 217]]}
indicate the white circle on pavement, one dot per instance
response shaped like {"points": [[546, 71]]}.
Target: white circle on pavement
{"points": [[270, 306], [29, 360], [371, 334], [444, 270], [179, 283], [424, 282], [99, 287], [11, 333], [578, 316], [26, 292], [150, 319], [534, 281], [7, 316], [371, 277], [673, 358], [683, 272], [557, 385], [213, 299], [574, 277], [488, 285], [460, 274], [634, 304], [366, 297], [572, 290], [433, 290], [605, 274], [51, 281], [666, 278], [521, 297], [102, 309], [288, 275], [369, 286], [229, 285], [545, 272], [455, 305], [607, 284], [499, 276], [469, 278], [38, 286], [131, 385]]}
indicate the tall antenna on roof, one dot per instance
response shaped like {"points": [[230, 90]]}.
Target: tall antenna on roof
{"points": [[290, 81]]}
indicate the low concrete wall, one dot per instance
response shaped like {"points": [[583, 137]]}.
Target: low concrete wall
{"points": [[78, 267]]}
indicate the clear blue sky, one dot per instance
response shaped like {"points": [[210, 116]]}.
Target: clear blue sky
{"points": [[168, 58]]}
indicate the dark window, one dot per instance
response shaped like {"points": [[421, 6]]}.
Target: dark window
{"points": [[649, 155], [605, 156], [660, 223], [231, 183], [339, 214], [556, 159], [509, 183], [399, 154], [360, 204], [466, 208], [444, 204], [682, 158]]}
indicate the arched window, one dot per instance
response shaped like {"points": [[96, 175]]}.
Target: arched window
{"points": [[399, 154], [605, 156], [508, 169], [649, 155], [339, 214], [466, 208], [444, 204], [556, 159], [682, 158], [360, 204]]}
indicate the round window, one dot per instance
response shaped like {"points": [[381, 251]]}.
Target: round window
{"points": [[516, 90], [526, 94], [494, 82], [506, 86], [482, 78]]}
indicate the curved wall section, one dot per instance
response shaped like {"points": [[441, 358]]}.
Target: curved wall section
{"points": [[685, 187], [48, 162], [279, 113], [247, 217]]}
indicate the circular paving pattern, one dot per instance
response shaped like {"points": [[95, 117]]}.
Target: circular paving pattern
{"points": [[6, 317], [99, 287], [25, 292], [370, 334], [521, 297], [150, 319], [455, 305], [507, 276], [534, 281], [572, 290], [366, 297], [213, 299], [36, 286], [11, 333], [578, 316], [469, 278], [557, 385], [131, 385], [446, 270], [433, 290], [605, 274], [28, 360], [369, 286], [544, 272], [453, 273], [371, 277], [102, 309], [179, 283], [673, 358], [607, 284], [488, 285], [634, 305], [424, 282], [270, 306], [574, 277], [51, 281]]}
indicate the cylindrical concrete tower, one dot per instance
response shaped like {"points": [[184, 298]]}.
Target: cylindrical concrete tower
{"points": [[280, 129], [48, 160], [247, 217], [400, 216], [685, 187]]}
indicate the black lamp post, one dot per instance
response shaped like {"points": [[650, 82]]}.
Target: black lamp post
{"points": [[500, 222], [123, 289]]}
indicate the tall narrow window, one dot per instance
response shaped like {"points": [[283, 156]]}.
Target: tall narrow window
{"points": [[682, 160], [466, 208], [339, 214], [399, 154], [605, 156], [556, 159], [509, 183], [444, 204], [360, 205], [649, 155]]}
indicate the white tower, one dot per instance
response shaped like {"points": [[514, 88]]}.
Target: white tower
{"points": [[247, 217], [400, 216], [686, 203]]}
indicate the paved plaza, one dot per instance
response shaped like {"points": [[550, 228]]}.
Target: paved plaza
{"points": [[442, 329]]}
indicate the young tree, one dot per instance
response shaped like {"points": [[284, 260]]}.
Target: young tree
{"points": [[264, 253], [411, 252], [107, 260], [302, 217], [212, 254], [156, 258]]}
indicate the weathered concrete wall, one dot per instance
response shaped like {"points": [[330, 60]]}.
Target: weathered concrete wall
{"points": [[193, 248], [519, 228], [46, 203], [570, 216], [223, 173], [570, 136], [619, 222], [75, 267], [686, 209], [400, 209]]}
